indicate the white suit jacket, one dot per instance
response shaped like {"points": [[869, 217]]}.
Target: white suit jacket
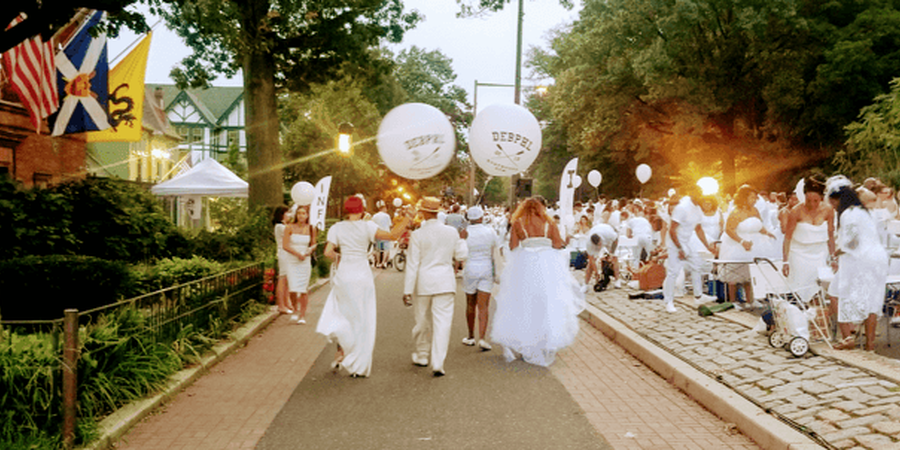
{"points": [[429, 264]]}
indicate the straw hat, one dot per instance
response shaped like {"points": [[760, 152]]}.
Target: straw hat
{"points": [[430, 204]]}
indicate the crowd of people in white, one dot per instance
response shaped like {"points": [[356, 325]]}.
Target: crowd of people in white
{"points": [[527, 260]]}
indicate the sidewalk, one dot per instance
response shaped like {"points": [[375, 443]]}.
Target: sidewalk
{"points": [[234, 404], [841, 399]]}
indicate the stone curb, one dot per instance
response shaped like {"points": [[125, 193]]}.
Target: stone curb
{"points": [[120, 422], [764, 429]]}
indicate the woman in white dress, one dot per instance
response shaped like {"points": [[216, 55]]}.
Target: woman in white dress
{"points": [[808, 240], [299, 243], [279, 217], [862, 264], [348, 317], [745, 238], [539, 300]]}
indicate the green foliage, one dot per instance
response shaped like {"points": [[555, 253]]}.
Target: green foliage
{"points": [[873, 145], [752, 91], [106, 218], [58, 282], [119, 363]]}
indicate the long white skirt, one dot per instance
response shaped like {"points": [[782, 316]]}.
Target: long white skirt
{"points": [[348, 316], [538, 303]]}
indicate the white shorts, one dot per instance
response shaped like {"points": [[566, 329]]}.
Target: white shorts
{"points": [[478, 280]]}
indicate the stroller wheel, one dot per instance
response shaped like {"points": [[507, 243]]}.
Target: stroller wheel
{"points": [[776, 339], [798, 346]]}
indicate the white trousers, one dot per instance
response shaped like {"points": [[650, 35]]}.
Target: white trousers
{"points": [[674, 266], [431, 334]]}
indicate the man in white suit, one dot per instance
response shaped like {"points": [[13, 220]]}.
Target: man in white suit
{"points": [[429, 274]]}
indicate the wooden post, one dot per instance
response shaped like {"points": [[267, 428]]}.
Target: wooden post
{"points": [[70, 376]]}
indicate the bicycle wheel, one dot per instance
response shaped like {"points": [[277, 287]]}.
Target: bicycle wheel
{"points": [[400, 261]]}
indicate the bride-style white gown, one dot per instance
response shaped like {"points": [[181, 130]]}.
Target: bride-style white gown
{"points": [[537, 304]]}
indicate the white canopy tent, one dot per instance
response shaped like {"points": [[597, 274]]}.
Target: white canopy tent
{"points": [[206, 179]]}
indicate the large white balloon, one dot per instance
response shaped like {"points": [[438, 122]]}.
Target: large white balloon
{"points": [[594, 178], [577, 181], [303, 193], [416, 141], [398, 203], [505, 139], [643, 173]]}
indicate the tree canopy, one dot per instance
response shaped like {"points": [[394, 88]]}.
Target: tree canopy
{"points": [[280, 46], [705, 87]]}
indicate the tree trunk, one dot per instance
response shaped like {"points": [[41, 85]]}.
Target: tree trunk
{"points": [[264, 156]]}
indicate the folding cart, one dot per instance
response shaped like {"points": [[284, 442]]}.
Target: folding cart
{"points": [[791, 315]]}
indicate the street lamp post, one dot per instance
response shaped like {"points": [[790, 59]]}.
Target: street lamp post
{"points": [[513, 180]]}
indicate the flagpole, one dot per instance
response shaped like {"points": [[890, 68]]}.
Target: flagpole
{"points": [[136, 40]]}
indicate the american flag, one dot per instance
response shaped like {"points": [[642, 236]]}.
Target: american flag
{"points": [[31, 67]]}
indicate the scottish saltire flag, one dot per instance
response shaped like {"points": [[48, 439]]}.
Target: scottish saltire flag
{"points": [[82, 70]]}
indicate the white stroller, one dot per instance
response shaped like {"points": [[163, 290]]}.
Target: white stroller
{"points": [[791, 314]]}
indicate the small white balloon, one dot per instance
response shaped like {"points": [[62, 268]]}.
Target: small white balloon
{"points": [[303, 193], [416, 141], [577, 181], [594, 178], [398, 203], [643, 173], [505, 139], [671, 192]]}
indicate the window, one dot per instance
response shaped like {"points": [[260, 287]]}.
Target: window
{"points": [[233, 139], [41, 180]]}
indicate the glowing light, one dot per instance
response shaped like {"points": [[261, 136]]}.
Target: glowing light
{"points": [[708, 185], [159, 154], [406, 196], [345, 131]]}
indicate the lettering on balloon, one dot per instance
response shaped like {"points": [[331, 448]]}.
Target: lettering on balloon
{"points": [[427, 139], [515, 138]]}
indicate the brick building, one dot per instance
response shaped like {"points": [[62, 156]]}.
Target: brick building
{"points": [[31, 158]]}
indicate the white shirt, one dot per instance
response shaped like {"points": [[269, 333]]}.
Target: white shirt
{"points": [[607, 235], [429, 264], [639, 226], [481, 244], [383, 220], [686, 216]]}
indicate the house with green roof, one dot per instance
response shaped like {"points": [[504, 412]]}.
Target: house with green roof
{"points": [[210, 121]]}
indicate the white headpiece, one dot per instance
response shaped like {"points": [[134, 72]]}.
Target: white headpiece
{"points": [[799, 192], [835, 183]]}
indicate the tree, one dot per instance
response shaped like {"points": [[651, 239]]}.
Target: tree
{"points": [[279, 45], [46, 17], [717, 85], [873, 146]]}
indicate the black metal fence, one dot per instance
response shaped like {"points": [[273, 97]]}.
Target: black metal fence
{"points": [[200, 305]]}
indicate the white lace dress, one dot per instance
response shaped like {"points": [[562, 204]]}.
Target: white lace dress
{"points": [[862, 268], [537, 304]]}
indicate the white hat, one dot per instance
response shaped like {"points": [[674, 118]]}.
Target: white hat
{"points": [[475, 213]]}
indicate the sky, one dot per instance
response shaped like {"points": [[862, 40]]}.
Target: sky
{"points": [[482, 48]]}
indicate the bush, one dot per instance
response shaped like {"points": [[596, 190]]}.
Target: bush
{"points": [[110, 219], [42, 287], [168, 272]]}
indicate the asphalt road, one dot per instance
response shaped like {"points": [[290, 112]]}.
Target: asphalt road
{"points": [[482, 402]]}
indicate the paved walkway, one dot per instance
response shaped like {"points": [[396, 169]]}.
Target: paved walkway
{"points": [[235, 404], [842, 405]]}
